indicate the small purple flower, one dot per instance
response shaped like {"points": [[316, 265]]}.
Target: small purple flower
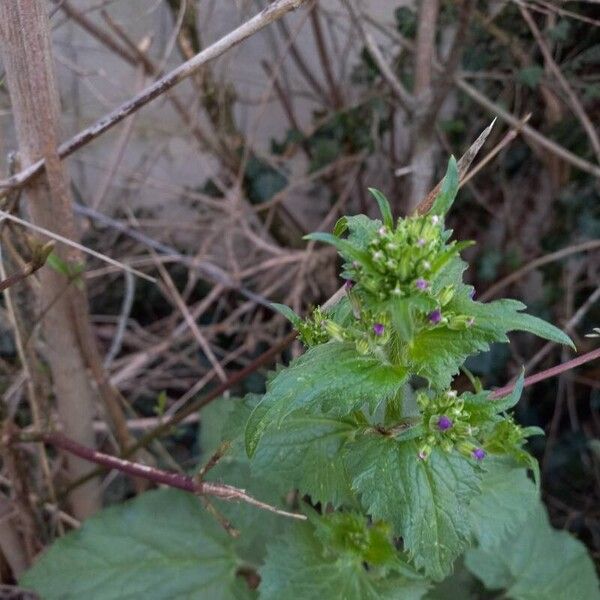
{"points": [[378, 329], [435, 316], [479, 454], [421, 284], [348, 285], [421, 242], [444, 423]]}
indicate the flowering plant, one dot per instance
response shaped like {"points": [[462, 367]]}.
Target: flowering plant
{"points": [[411, 486]]}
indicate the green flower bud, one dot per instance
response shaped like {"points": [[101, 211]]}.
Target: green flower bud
{"points": [[446, 295], [334, 330]]}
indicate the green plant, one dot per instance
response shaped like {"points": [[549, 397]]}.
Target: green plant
{"points": [[411, 488]]}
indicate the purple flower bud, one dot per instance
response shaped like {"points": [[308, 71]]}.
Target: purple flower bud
{"points": [[435, 316], [444, 423], [378, 329], [348, 285], [421, 242], [421, 284], [479, 454]]}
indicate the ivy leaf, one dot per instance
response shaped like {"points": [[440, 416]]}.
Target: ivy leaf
{"points": [[333, 376], [536, 562], [425, 501], [445, 198], [531, 76], [299, 567], [507, 498], [384, 208], [160, 545]]}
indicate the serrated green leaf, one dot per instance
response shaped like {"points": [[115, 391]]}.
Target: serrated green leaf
{"points": [[502, 316], [347, 249], [438, 353], [536, 562], [507, 498], [541, 328], [333, 376], [362, 230], [288, 313], [445, 198], [384, 208], [507, 402], [161, 545], [305, 453], [299, 567], [425, 501]]}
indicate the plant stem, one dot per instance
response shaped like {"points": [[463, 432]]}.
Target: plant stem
{"points": [[158, 476], [551, 372]]}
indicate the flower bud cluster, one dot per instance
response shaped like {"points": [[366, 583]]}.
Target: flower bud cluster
{"points": [[312, 331], [400, 264], [506, 437], [402, 260], [404, 263], [448, 425]]}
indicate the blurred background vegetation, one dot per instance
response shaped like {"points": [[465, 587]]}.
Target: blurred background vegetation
{"points": [[212, 186]]}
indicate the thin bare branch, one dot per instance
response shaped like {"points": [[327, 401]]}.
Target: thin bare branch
{"points": [[271, 13], [72, 244], [548, 373], [539, 262], [398, 89], [576, 105]]}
